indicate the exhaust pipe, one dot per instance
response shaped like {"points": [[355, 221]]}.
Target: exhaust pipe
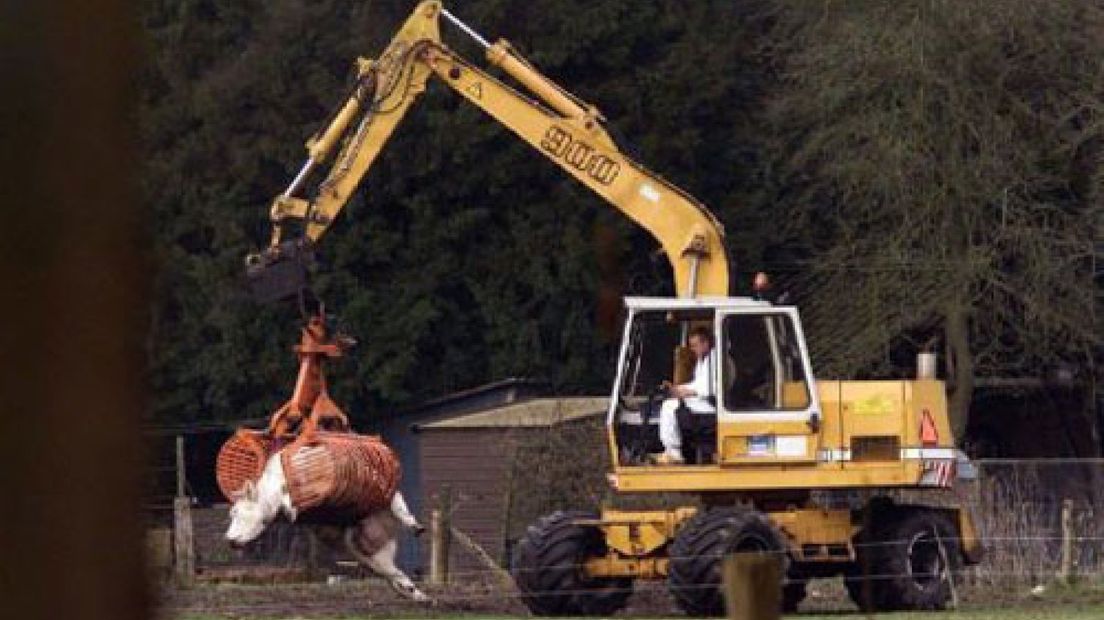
{"points": [[925, 365]]}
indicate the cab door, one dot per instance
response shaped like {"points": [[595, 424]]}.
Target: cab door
{"points": [[768, 411]]}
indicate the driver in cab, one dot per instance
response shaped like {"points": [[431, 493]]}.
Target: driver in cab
{"points": [[697, 396]]}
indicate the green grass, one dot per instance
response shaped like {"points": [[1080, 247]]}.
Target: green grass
{"points": [[1083, 601], [1064, 613], [1075, 612]]}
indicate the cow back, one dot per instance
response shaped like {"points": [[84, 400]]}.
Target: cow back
{"points": [[338, 476]]}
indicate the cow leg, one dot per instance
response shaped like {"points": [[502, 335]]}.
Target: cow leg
{"points": [[366, 544], [402, 513], [382, 563]]}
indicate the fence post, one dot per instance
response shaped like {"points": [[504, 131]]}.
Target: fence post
{"points": [[508, 503], [183, 541], [1065, 572], [752, 586], [440, 535], [947, 569]]}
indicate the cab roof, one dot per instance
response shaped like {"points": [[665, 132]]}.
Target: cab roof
{"points": [[695, 303]]}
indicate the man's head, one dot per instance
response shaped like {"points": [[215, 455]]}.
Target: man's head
{"points": [[701, 341]]}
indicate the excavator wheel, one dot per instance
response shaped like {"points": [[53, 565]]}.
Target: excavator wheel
{"points": [[906, 564], [694, 573], [548, 569]]}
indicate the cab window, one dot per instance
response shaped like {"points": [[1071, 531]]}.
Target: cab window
{"points": [[648, 360], [763, 367], [654, 339]]}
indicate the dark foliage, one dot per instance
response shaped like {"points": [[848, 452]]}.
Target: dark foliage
{"points": [[466, 257], [916, 170]]}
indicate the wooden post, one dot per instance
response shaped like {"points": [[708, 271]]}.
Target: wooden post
{"points": [[440, 526], [439, 532], [508, 503], [181, 474], [947, 569], [183, 541], [752, 585], [1065, 571]]}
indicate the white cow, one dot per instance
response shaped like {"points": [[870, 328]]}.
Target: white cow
{"points": [[372, 540]]}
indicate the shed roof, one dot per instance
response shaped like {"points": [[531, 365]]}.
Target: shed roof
{"points": [[505, 391], [528, 413]]}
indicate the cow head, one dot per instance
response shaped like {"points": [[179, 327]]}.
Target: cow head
{"points": [[249, 516]]}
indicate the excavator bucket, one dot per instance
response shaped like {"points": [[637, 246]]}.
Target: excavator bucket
{"points": [[279, 272]]}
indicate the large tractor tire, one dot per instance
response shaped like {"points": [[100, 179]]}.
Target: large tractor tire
{"points": [[548, 569], [908, 562], [694, 573]]}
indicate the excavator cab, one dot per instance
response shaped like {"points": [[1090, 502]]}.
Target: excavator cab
{"points": [[762, 382], [654, 351]]}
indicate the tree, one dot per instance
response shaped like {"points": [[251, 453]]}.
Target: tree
{"points": [[939, 166]]}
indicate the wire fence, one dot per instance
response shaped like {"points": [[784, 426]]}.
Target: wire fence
{"points": [[1017, 506]]}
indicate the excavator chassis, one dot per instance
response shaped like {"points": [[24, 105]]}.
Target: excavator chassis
{"points": [[755, 460], [891, 556], [636, 540]]}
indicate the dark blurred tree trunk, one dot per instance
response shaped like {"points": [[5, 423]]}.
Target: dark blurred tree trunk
{"points": [[73, 315]]}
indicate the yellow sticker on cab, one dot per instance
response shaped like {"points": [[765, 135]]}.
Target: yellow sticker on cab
{"points": [[879, 404]]}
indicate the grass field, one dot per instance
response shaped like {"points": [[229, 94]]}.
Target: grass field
{"points": [[369, 600], [1040, 613]]}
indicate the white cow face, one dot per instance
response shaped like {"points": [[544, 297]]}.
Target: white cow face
{"points": [[247, 517]]}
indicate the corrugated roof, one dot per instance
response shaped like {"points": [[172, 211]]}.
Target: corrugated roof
{"points": [[479, 390], [534, 412]]}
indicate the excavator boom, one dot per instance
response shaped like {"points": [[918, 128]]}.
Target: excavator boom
{"points": [[564, 129]]}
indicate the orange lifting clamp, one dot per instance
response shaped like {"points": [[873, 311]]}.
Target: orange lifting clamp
{"points": [[309, 410], [310, 407], [333, 474]]}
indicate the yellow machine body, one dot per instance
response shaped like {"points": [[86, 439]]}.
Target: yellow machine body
{"points": [[868, 436]]}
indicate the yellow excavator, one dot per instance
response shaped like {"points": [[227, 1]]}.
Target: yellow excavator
{"points": [[784, 463]]}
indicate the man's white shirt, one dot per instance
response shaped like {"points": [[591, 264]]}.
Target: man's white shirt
{"points": [[702, 384]]}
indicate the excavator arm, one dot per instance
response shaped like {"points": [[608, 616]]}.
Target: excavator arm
{"points": [[565, 130]]}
